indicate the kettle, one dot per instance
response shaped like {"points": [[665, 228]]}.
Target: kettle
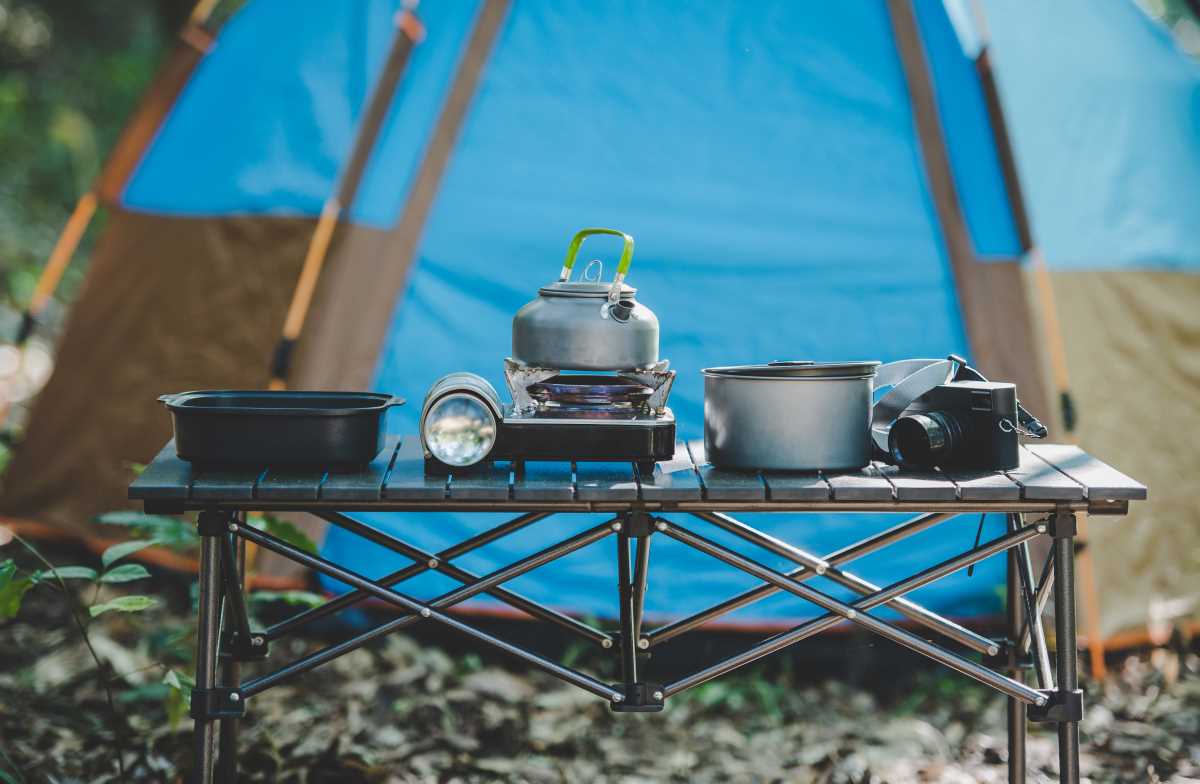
{"points": [[586, 324]]}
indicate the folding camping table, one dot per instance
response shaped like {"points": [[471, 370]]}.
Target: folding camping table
{"points": [[1045, 496]]}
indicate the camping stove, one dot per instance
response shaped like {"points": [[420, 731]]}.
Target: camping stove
{"points": [[618, 416]]}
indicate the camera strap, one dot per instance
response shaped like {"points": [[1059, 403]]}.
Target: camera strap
{"points": [[909, 379]]}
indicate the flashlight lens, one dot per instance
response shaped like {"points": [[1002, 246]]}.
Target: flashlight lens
{"points": [[460, 430]]}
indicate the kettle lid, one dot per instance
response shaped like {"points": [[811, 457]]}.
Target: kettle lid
{"points": [[584, 289]]}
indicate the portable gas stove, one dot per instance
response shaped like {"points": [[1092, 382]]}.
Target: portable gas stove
{"points": [[618, 416]]}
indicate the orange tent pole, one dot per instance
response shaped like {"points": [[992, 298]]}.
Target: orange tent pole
{"points": [[409, 33], [130, 147]]}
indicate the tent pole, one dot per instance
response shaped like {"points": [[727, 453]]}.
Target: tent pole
{"points": [[1051, 326], [195, 40], [409, 33]]}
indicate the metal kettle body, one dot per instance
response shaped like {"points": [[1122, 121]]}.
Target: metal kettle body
{"points": [[582, 325]]}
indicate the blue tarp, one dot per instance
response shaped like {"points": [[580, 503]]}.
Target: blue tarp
{"points": [[1104, 111], [271, 111]]}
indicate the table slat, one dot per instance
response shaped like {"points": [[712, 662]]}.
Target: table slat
{"points": [[364, 484], [407, 480], [913, 485], [985, 486], [489, 482], [863, 485], [166, 478], [796, 486], [289, 484], [721, 484], [605, 481], [1101, 480], [1041, 481], [233, 483], [674, 479], [544, 480]]}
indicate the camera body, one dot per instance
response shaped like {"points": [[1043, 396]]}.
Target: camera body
{"points": [[963, 424]]}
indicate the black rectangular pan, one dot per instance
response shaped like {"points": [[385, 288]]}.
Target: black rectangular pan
{"points": [[279, 428]]}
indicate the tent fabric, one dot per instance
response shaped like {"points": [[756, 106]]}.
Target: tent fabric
{"points": [[156, 314], [776, 190], [1105, 117], [273, 143], [1104, 113], [970, 145], [1131, 339]]}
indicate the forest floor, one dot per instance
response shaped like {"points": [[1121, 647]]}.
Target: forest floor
{"points": [[411, 709]]}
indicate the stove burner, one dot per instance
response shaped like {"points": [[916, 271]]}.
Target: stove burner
{"points": [[590, 391]]}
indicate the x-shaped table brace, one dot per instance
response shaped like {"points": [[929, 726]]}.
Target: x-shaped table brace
{"points": [[223, 608]]}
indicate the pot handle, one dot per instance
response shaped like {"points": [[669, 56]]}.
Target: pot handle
{"points": [[614, 293]]}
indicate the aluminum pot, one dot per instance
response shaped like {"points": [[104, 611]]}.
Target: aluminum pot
{"points": [[789, 416], [587, 325]]}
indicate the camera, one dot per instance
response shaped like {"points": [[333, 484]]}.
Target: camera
{"points": [[962, 424]]}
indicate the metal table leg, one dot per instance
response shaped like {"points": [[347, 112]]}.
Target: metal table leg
{"points": [[629, 674], [227, 766], [1016, 708], [207, 632], [1067, 651]]}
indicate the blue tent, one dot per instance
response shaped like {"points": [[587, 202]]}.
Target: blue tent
{"points": [[804, 181]]}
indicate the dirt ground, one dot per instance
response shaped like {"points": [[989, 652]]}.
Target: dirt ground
{"points": [[408, 711]]}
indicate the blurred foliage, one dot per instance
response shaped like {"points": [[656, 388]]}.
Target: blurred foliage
{"points": [[1180, 17], [71, 71]]}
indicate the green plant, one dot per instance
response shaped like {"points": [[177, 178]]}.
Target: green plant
{"points": [[15, 584]]}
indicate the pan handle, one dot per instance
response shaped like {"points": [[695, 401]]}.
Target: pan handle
{"points": [[394, 400], [614, 293]]}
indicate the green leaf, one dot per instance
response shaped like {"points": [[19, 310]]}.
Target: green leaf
{"points": [[124, 573], [178, 698], [119, 551], [123, 604], [65, 573], [12, 589], [175, 532], [178, 680], [126, 517], [304, 598], [282, 529]]}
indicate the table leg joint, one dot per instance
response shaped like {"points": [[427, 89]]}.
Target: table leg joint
{"points": [[219, 702], [1060, 707], [640, 697]]}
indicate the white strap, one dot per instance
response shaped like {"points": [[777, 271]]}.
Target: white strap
{"points": [[908, 379]]}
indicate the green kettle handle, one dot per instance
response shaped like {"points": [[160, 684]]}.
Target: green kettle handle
{"points": [[614, 293]]}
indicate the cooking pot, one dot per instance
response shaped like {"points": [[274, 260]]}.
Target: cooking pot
{"points": [[586, 324], [789, 416]]}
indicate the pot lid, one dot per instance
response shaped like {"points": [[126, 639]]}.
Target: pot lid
{"points": [[798, 369], [584, 289]]}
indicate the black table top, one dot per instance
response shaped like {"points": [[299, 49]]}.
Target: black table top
{"points": [[1049, 476]]}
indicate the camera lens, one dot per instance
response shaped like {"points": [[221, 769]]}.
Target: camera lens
{"points": [[924, 440]]}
